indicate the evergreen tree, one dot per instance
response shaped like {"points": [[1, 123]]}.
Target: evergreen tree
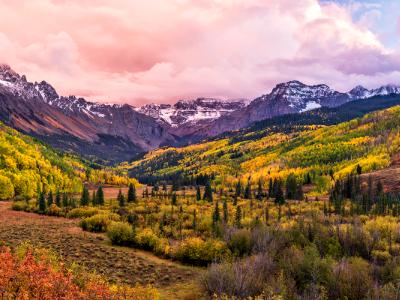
{"points": [[216, 216], [247, 190], [132, 193], [121, 199], [225, 208], [208, 195], [270, 188], [259, 190], [238, 217], [100, 196], [198, 193], [279, 197], [65, 200], [50, 199], [42, 203], [173, 199], [291, 186], [85, 198], [94, 198], [308, 179], [359, 170], [58, 198], [238, 190]]}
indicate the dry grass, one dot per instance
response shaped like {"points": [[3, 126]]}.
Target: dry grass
{"points": [[117, 264]]}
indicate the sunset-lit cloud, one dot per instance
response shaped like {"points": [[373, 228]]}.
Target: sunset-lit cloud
{"points": [[160, 51]]}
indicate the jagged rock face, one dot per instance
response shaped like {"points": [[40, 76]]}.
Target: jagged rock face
{"points": [[37, 109], [187, 113]]}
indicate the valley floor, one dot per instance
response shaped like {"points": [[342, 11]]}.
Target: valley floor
{"points": [[117, 264]]}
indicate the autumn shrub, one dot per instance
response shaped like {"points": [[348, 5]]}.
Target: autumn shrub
{"points": [[240, 242], [27, 275], [120, 233], [54, 210], [20, 205], [196, 251], [351, 280], [82, 212], [239, 279], [99, 222], [146, 239]]}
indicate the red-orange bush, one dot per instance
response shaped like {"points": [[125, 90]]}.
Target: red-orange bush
{"points": [[36, 278]]}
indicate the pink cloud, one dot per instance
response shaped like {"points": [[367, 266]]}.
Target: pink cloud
{"points": [[157, 51]]}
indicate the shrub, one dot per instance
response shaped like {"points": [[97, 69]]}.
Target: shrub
{"points": [[96, 223], [240, 242], [239, 279], [146, 239], [25, 275], [54, 210], [82, 212], [20, 205], [199, 252], [120, 233]]}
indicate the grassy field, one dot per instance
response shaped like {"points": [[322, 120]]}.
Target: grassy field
{"points": [[117, 264]]}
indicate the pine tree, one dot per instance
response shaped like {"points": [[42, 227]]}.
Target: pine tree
{"points": [[279, 197], [247, 191], [359, 170], [216, 217], [65, 200], [42, 203], [58, 198], [208, 195], [50, 199], [94, 198], [259, 190], [100, 196], [238, 190], [85, 197], [121, 199], [270, 188], [132, 193], [173, 199], [291, 186], [308, 179], [198, 193], [225, 208], [238, 217]]}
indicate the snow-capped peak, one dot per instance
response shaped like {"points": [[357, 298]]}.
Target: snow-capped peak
{"points": [[192, 111]]}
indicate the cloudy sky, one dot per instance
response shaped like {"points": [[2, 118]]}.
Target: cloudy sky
{"points": [[159, 51]]}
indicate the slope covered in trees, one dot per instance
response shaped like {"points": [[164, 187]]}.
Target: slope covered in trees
{"points": [[27, 166], [323, 153]]}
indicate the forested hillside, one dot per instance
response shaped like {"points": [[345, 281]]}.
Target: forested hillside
{"points": [[28, 167], [321, 152]]}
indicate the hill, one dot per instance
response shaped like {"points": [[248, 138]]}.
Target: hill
{"points": [[27, 166], [324, 152]]}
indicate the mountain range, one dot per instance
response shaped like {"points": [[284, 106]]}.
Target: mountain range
{"points": [[113, 132]]}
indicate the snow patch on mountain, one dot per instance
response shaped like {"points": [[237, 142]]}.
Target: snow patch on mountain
{"points": [[191, 111], [310, 106]]}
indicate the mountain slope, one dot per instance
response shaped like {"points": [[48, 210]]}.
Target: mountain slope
{"points": [[112, 132], [288, 98], [370, 141], [27, 166]]}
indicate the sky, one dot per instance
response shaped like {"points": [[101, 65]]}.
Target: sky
{"points": [[138, 52]]}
